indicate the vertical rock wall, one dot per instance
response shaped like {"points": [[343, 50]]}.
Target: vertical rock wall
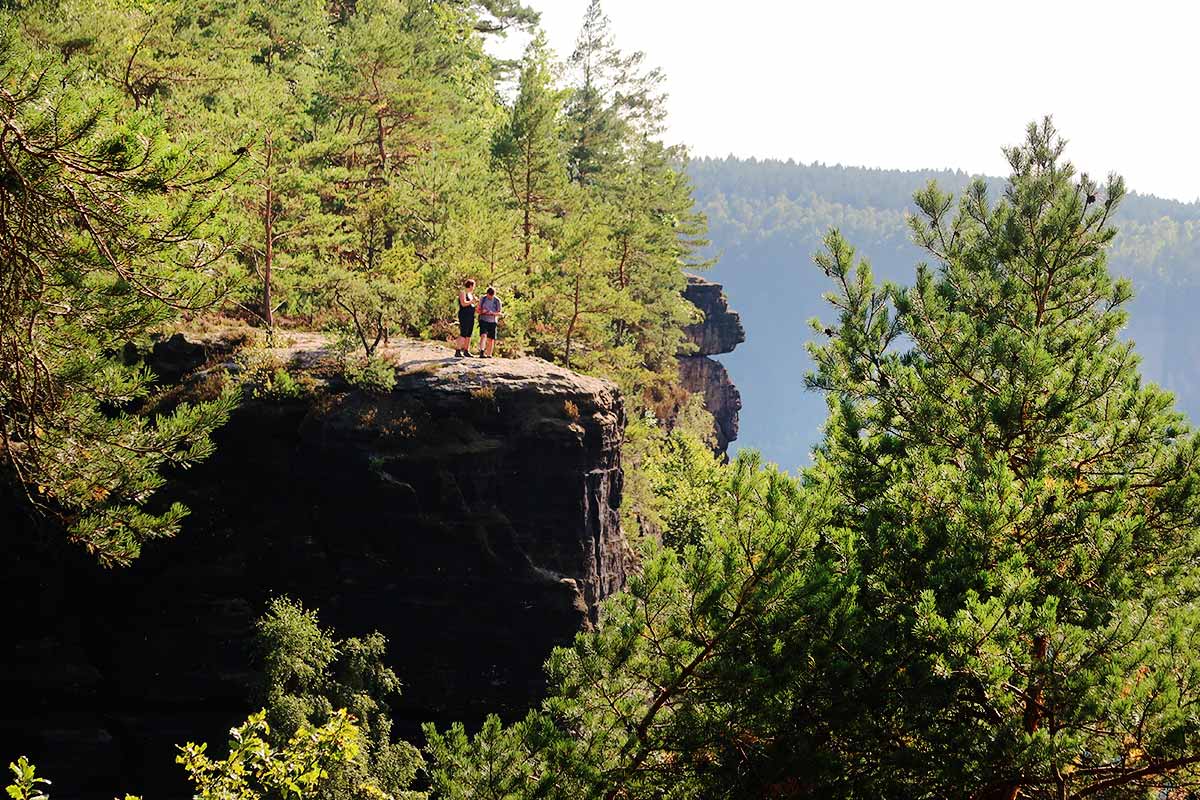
{"points": [[719, 332], [470, 515]]}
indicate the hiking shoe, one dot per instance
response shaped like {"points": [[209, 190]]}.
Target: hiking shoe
{"points": [[458, 353]]}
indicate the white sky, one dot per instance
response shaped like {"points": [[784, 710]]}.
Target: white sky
{"points": [[922, 83]]}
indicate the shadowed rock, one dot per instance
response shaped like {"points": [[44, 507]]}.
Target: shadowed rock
{"points": [[470, 515]]}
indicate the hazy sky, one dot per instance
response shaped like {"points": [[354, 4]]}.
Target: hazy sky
{"points": [[922, 83]]}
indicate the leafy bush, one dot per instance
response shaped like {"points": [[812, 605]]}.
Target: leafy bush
{"points": [[26, 785], [255, 769], [264, 376], [299, 768], [371, 374]]}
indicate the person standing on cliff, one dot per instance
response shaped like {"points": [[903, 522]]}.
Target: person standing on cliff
{"points": [[466, 318], [489, 316]]}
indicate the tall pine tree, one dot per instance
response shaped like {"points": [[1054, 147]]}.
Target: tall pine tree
{"points": [[527, 148], [1023, 506]]}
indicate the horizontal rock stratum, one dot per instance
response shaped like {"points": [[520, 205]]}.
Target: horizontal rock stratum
{"points": [[470, 515]]}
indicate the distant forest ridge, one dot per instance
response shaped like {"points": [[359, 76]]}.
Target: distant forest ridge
{"points": [[758, 198], [767, 219]]}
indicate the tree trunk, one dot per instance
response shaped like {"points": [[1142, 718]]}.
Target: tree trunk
{"points": [[1033, 704], [571, 326], [622, 277], [269, 226], [527, 228], [381, 145]]}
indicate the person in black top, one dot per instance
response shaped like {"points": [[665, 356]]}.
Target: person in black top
{"points": [[466, 318]]}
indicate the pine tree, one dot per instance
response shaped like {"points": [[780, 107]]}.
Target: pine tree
{"points": [[596, 127], [308, 677], [612, 100], [527, 147], [498, 16], [1023, 507], [105, 232]]}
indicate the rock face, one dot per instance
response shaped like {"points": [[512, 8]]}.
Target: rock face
{"points": [[721, 329], [708, 378], [470, 516], [719, 332]]}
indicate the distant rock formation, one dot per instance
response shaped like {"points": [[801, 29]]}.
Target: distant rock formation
{"points": [[708, 378], [719, 332], [721, 329], [470, 515]]}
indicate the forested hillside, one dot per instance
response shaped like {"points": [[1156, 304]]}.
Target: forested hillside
{"points": [[768, 218]]}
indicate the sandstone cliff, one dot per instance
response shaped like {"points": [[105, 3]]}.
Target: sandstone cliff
{"points": [[719, 332], [470, 515]]}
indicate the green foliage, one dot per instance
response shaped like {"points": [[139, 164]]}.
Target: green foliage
{"points": [[527, 150], [299, 768], [498, 762], [302, 767], [661, 460], [1023, 506], [686, 482], [26, 785], [576, 299], [373, 374], [612, 103], [497, 16], [695, 421], [107, 231], [282, 386], [307, 673], [265, 377]]}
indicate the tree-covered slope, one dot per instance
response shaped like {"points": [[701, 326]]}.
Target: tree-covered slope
{"points": [[768, 218]]}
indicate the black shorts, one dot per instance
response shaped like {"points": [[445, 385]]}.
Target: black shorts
{"points": [[487, 329], [466, 322]]}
